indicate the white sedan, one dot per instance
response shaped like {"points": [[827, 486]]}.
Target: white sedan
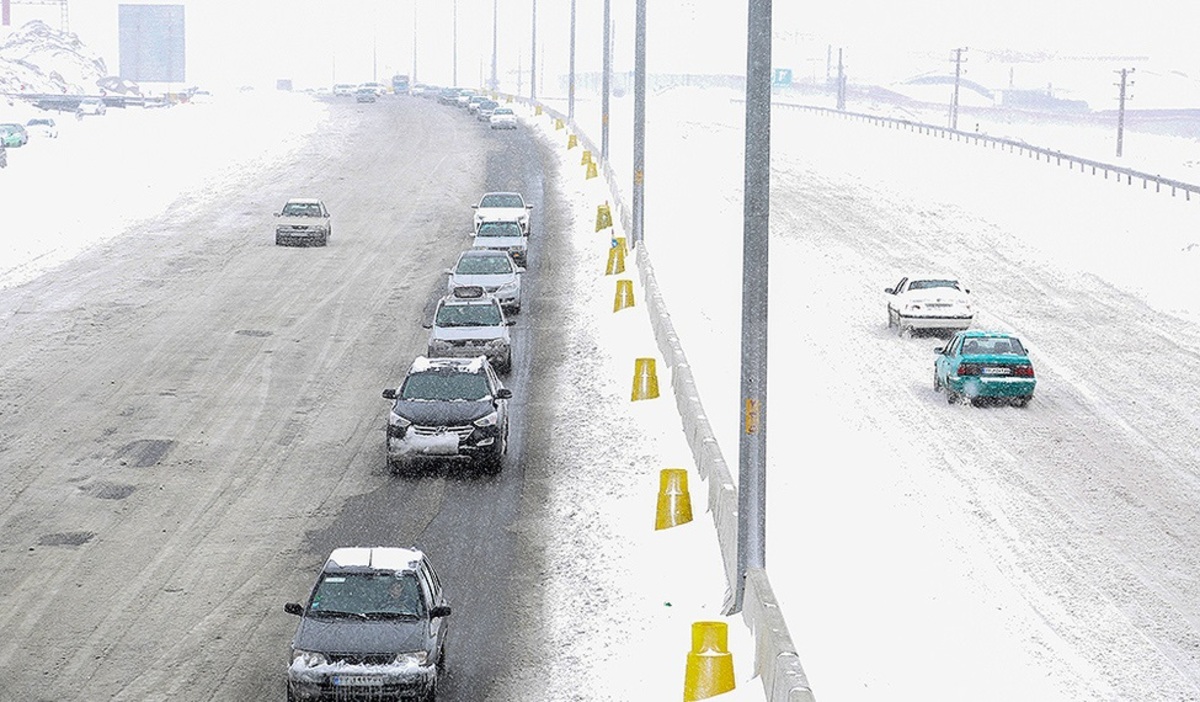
{"points": [[503, 118], [929, 303], [509, 207]]}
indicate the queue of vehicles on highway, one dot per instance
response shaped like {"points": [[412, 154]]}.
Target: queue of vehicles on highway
{"points": [[984, 367], [375, 622]]}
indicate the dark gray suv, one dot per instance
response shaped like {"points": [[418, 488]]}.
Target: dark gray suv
{"points": [[374, 628], [448, 408]]}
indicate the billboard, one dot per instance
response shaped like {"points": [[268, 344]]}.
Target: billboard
{"points": [[151, 43]]}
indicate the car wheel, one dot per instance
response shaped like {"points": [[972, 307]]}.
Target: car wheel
{"points": [[905, 332], [325, 240], [977, 402], [937, 382], [1020, 401], [951, 396], [492, 463], [891, 323], [291, 696], [278, 240]]}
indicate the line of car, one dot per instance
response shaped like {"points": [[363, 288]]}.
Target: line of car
{"points": [[482, 105], [984, 367], [374, 625]]}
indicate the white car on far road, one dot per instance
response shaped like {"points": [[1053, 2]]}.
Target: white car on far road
{"points": [[503, 118], [929, 303], [503, 206]]}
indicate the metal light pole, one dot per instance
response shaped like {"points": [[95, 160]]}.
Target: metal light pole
{"points": [[571, 71], [494, 35], [958, 61], [606, 82], [454, 75], [533, 58], [414, 61], [752, 444], [639, 123]]}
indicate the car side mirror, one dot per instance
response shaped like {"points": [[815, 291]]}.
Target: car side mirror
{"points": [[389, 393], [529, 207], [449, 271], [520, 269], [940, 349], [967, 290], [889, 291], [510, 322], [439, 611], [503, 394], [294, 608], [277, 214], [326, 215], [474, 207], [426, 325]]}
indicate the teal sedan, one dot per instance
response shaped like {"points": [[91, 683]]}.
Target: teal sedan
{"points": [[984, 367]]}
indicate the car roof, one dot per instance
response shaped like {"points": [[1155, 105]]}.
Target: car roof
{"points": [[501, 192], [368, 558], [984, 334], [303, 201], [462, 365]]}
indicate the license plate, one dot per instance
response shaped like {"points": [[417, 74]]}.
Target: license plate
{"points": [[997, 371], [357, 681]]}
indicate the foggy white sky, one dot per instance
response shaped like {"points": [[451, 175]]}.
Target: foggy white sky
{"points": [[317, 42]]}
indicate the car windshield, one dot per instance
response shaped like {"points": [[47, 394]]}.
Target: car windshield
{"points": [[373, 595], [468, 316], [502, 200], [503, 111], [995, 346], [484, 265], [926, 284], [499, 229], [444, 386], [302, 209]]}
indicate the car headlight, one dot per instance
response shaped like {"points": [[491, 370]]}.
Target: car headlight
{"points": [[398, 421], [507, 287], [413, 658], [308, 659], [439, 344], [488, 420]]}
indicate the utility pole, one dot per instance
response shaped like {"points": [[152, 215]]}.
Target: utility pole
{"points": [[414, 61], [1121, 110], [958, 62], [841, 83], [639, 123], [606, 81]]}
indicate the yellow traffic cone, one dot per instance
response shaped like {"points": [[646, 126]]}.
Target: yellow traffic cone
{"points": [[558, 124], [619, 242], [616, 261], [624, 297], [645, 380], [537, 109], [572, 141], [709, 669], [587, 157], [674, 501], [592, 171], [603, 217], [508, 99]]}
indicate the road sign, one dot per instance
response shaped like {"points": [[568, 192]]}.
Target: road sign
{"points": [[781, 77]]}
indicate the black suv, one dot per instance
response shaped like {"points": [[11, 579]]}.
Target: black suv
{"points": [[374, 628], [449, 408]]}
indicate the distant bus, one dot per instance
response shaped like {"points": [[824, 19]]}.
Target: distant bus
{"points": [[399, 84]]}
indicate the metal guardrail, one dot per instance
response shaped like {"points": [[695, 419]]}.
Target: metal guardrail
{"points": [[1120, 173], [775, 659]]}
